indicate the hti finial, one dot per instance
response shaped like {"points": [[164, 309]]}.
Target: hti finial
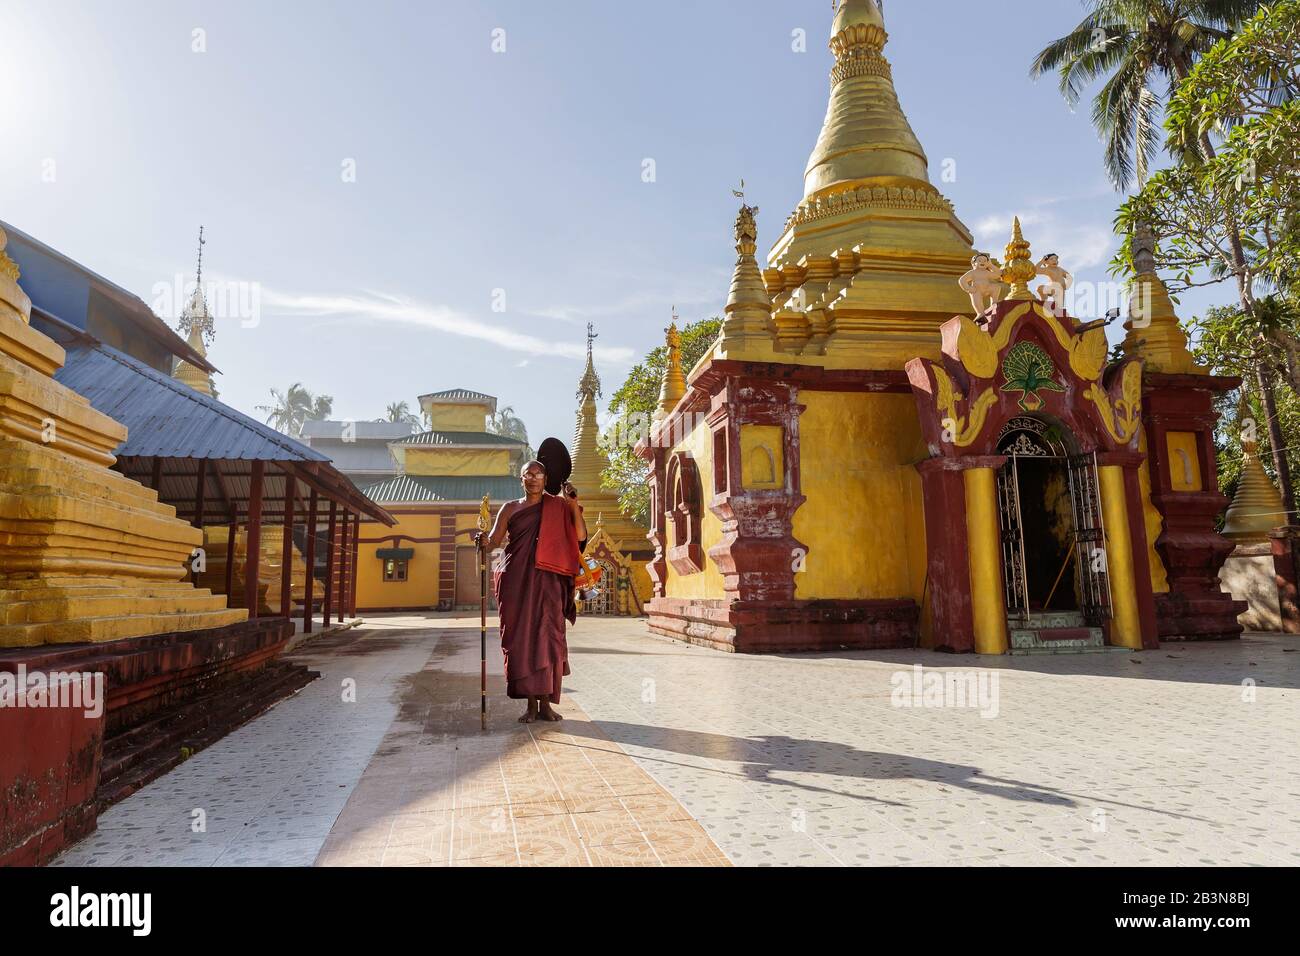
{"points": [[1019, 269], [198, 278], [591, 336]]}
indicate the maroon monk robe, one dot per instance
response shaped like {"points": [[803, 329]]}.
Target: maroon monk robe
{"points": [[533, 606]]}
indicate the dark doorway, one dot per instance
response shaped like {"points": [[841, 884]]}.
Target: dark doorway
{"points": [[1047, 525]]}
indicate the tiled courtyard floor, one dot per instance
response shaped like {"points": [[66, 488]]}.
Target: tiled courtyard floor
{"points": [[672, 754]]}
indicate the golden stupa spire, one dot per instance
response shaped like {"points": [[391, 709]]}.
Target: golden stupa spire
{"points": [[589, 461], [1153, 332], [1019, 270], [197, 321], [865, 133], [1256, 506], [673, 386], [745, 329]]}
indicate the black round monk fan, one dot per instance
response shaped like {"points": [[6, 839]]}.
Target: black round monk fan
{"points": [[554, 457]]}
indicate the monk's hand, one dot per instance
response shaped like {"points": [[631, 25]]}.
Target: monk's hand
{"points": [[570, 491]]}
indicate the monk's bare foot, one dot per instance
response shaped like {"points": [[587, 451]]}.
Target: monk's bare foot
{"points": [[528, 717], [545, 713]]}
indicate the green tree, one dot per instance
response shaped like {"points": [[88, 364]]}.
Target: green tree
{"points": [[400, 413], [1231, 212], [295, 406], [632, 406], [1134, 44], [1227, 344], [505, 422]]}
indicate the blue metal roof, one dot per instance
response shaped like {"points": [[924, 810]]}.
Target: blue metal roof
{"points": [[166, 418]]}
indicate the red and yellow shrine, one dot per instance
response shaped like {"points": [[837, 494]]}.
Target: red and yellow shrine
{"points": [[859, 461]]}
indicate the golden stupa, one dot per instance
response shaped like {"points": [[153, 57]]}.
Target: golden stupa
{"points": [[864, 271], [1256, 507]]}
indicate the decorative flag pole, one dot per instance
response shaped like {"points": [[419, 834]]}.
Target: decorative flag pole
{"points": [[483, 518]]}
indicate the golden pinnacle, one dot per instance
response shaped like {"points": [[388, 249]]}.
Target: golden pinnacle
{"points": [[1019, 270]]}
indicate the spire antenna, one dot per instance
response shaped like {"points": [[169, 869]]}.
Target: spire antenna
{"points": [[198, 278]]}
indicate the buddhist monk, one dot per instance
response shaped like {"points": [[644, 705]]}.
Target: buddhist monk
{"points": [[544, 535]]}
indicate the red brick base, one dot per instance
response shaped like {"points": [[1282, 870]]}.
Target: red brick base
{"points": [[782, 627], [58, 768]]}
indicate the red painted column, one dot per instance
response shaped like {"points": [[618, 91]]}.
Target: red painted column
{"points": [[1285, 545], [344, 554], [330, 544], [356, 555], [252, 566], [947, 585], [286, 571], [311, 564]]}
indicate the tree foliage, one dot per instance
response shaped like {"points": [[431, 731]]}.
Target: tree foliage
{"points": [[294, 407], [1132, 44], [632, 406]]}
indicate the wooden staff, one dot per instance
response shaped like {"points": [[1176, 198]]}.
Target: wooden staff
{"points": [[483, 518]]}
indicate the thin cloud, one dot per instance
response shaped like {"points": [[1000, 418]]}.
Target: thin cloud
{"points": [[371, 307]]}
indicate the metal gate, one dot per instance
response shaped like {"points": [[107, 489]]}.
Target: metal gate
{"points": [[1089, 539], [1014, 581]]}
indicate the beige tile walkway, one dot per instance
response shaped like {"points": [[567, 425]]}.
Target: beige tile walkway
{"points": [[441, 792]]}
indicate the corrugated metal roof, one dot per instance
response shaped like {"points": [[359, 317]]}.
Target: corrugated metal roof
{"points": [[133, 307], [382, 431], [459, 438], [167, 419], [458, 395], [421, 488]]}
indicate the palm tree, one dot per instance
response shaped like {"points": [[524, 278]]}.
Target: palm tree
{"points": [[295, 406], [400, 413], [1134, 43], [506, 422]]}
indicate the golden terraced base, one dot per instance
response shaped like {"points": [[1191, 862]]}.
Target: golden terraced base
{"points": [[86, 554]]}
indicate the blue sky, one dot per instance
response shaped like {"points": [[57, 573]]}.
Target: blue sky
{"points": [[498, 202]]}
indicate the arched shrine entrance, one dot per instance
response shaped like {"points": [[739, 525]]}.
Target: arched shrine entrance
{"points": [[1035, 529]]}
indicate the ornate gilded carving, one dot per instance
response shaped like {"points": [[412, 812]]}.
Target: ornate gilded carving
{"points": [[978, 354], [1123, 419], [1027, 369], [964, 429], [854, 197], [1019, 269]]}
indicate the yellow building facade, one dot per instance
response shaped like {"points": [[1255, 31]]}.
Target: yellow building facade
{"points": [[859, 462], [428, 559]]}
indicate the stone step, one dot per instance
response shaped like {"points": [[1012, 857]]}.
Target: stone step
{"points": [[1031, 651], [100, 629], [107, 604], [1037, 620], [1056, 639]]}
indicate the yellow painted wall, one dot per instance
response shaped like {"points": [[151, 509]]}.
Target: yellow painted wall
{"points": [[863, 522], [420, 589], [1184, 461], [707, 583], [1154, 523], [457, 461], [457, 418]]}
